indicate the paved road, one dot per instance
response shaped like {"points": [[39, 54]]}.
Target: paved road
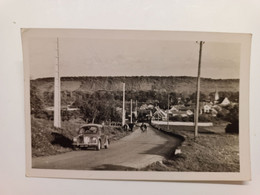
{"points": [[131, 152]]}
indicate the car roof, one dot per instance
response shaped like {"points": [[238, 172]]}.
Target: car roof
{"points": [[91, 125]]}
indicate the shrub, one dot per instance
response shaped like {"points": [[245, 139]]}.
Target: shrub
{"points": [[232, 127], [175, 118], [222, 114], [185, 119], [233, 118], [205, 118]]}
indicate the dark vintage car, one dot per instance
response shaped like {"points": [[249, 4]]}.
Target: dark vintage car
{"points": [[91, 136]]}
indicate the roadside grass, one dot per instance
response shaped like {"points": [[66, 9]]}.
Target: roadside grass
{"points": [[212, 151], [47, 140]]}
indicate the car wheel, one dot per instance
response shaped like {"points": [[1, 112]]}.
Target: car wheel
{"points": [[99, 145], [107, 144]]}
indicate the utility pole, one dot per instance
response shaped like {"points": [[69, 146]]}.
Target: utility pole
{"points": [[123, 112], [131, 108], [136, 108], [57, 101], [198, 92], [168, 113]]}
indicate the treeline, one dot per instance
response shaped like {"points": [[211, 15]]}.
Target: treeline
{"points": [[98, 107], [105, 105]]}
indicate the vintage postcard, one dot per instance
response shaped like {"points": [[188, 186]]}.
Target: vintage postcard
{"points": [[137, 105]]}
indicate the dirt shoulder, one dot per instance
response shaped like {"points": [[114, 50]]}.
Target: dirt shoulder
{"points": [[48, 140], [212, 151]]}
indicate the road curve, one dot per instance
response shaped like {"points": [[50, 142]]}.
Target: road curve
{"points": [[130, 153]]}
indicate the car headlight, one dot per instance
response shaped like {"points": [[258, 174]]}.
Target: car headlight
{"points": [[94, 139], [75, 139]]}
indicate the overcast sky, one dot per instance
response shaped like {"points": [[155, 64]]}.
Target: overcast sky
{"points": [[106, 57]]}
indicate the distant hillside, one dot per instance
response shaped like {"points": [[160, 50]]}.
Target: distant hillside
{"points": [[184, 85]]}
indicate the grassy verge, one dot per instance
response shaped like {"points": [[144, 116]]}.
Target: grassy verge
{"points": [[212, 151], [48, 140]]}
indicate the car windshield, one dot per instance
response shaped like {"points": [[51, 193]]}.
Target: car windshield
{"points": [[88, 130]]}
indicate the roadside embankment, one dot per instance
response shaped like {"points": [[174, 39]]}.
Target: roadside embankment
{"points": [[212, 151], [47, 140]]}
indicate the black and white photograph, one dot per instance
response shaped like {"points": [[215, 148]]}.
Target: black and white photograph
{"points": [[136, 105]]}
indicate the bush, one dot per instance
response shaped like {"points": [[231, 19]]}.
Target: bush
{"points": [[222, 114], [205, 118], [233, 118], [232, 127], [175, 118], [185, 119], [35, 101], [44, 115]]}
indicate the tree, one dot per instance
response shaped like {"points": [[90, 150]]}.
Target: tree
{"points": [[233, 118], [193, 96], [35, 101]]}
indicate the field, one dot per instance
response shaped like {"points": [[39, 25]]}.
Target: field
{"points": [[212, 151]]}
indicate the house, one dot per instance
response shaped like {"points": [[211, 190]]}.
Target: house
{"points": [[71, 108], [206, 108], [225, 102], [214, 112], [150, 106], [168, 111], [50, 108], [67, 108], [189, 112], [144, 107], [119, 109], [180, 108], [160, 113], [217, 108], [184, 115], [173, 109]]}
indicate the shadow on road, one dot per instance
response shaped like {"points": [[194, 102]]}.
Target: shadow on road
{"points": [[59, 139], [167, 148], [161, 151], [114, 168]]}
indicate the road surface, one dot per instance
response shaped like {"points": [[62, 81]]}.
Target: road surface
{"points": [[132, 152]]}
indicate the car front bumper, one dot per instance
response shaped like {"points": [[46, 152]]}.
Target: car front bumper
{"points": [[85, 144]]}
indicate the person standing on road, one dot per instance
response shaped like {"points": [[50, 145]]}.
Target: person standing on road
{"points": [[131, 126], [143, 127]]}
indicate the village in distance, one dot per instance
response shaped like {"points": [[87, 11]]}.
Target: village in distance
{"points": [[165, 103]]}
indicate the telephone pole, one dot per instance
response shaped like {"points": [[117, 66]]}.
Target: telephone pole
{"points": [[196, 120], [136, 108], [168, 113], [131, 112], [57, 102], [123, 112]]}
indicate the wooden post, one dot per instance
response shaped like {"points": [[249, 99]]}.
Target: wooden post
{"points": [[123, 112], [131, 108], [198, 93], [57, 101], [168, 113], [136, 108]]}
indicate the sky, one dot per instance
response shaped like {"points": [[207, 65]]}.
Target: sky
{"points": [[81, 56]]}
